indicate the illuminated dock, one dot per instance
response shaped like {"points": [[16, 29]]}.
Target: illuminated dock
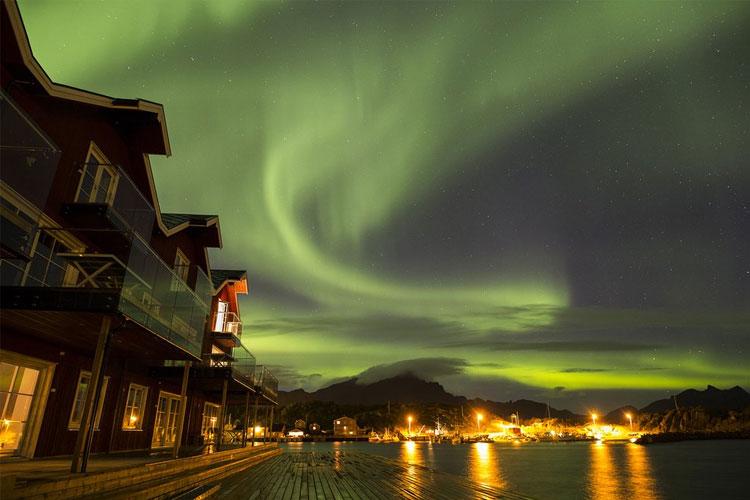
{"points": [[350, 475]]}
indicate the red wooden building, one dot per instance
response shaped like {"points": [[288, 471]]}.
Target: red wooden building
{"points": [[113, 336]]}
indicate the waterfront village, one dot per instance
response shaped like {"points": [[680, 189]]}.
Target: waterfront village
{"points": [[481, 427]]}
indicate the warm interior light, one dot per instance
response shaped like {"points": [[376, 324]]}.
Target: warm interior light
{"points": [[257, 429], [133, 419]]}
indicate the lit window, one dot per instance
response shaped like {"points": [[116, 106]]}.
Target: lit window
{"points": [[76, 413], [133, 418]]}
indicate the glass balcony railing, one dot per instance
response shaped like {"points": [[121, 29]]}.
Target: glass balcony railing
{"points": [[99, 186], [147, 291], [28, 157], [226, 323], [244, 365], [266, 383]]}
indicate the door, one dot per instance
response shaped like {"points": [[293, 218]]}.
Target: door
{"points": [[18, 386], [221, 316], [97, 182], [167, 413]]}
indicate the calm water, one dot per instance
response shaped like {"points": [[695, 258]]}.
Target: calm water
{"points": [[689, 470]]}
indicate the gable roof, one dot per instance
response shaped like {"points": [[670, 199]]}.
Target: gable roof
{"points": [[173, 221], [152, 113], [220, 277]]}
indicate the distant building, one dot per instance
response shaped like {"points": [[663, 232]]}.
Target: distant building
{"points": [[345, 427], [300, 424]]}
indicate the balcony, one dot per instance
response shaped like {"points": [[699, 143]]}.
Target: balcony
{"points": [[243, 367], [28, 157], [136, 284], [102, 206], [226, 329], [266, 384]]}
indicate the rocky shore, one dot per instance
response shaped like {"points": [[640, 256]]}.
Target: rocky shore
{"points": [[673, 437]]}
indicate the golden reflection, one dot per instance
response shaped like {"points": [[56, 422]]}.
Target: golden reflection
{"points": [[484, 466], [641, 482], [603, 481], [412, 453]]}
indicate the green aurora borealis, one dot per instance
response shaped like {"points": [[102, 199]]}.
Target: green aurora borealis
{"points": [[542, 200]]}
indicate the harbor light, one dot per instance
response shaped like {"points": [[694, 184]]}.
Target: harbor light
{"points": [[479, 420], [593, 418], [630, 419], [409, 419]]}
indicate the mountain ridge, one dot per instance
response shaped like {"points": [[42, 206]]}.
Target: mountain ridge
{"points": [[409, 388]]}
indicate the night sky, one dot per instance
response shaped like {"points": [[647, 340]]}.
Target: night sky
{"points": [[540, 200]]}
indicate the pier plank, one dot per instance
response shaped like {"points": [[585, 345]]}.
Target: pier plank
{"points": [[347, 475]]}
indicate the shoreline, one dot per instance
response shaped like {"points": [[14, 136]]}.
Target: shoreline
{"points": [[675, 437]]}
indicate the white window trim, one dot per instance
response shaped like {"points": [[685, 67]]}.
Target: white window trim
{"points": [[144, 403], [72, 426], [104, 163]]}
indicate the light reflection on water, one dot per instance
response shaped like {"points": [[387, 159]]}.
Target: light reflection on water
{"points": [[484, 467], [640, 475], [563, 471], [603, 481]]}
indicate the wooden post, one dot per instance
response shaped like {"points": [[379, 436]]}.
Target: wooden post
{"points": [[223, 413], [265, 433], [255, 417], [88, 420], [245, 419], [270, 426], [183, 408]]}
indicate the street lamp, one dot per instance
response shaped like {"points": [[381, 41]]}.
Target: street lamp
{"points": [[630, 419], [479, 419], [409, 419]]}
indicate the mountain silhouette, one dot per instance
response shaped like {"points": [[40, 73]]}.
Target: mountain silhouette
{"points": [[712, 398]]}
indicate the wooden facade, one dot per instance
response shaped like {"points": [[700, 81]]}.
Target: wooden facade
{"points": [[83, 313]]}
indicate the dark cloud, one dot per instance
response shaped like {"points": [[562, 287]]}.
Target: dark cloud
{"points": [[425, 368], [291, 378]]}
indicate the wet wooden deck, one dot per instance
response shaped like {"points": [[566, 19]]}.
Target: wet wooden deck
{"points": [[349, 476]]}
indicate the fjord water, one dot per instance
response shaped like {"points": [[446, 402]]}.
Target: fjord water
{"points": [[686, 470]]}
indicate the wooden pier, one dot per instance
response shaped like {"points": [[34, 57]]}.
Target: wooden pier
{"points": [[349, 476]]}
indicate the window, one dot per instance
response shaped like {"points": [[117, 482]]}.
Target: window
{"points": [[17, 387], [47, 268], [18, 229], [133, 418], [167, 414], [210, 424], [76, 413], [98, 179], [181, 266]]}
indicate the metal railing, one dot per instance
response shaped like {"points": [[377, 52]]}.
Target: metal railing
{"points": [[226, 322], [266, 383]]}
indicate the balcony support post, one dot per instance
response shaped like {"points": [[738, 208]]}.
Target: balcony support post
{"points": [[88, 420], [255, 416], [223, 413], [245, 419], [183, 409], [270, 426], [265, 434]]}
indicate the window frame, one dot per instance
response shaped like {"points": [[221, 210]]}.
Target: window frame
{"points": [[102, 163], [73, 426], [142, 408], [181, 266]]}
